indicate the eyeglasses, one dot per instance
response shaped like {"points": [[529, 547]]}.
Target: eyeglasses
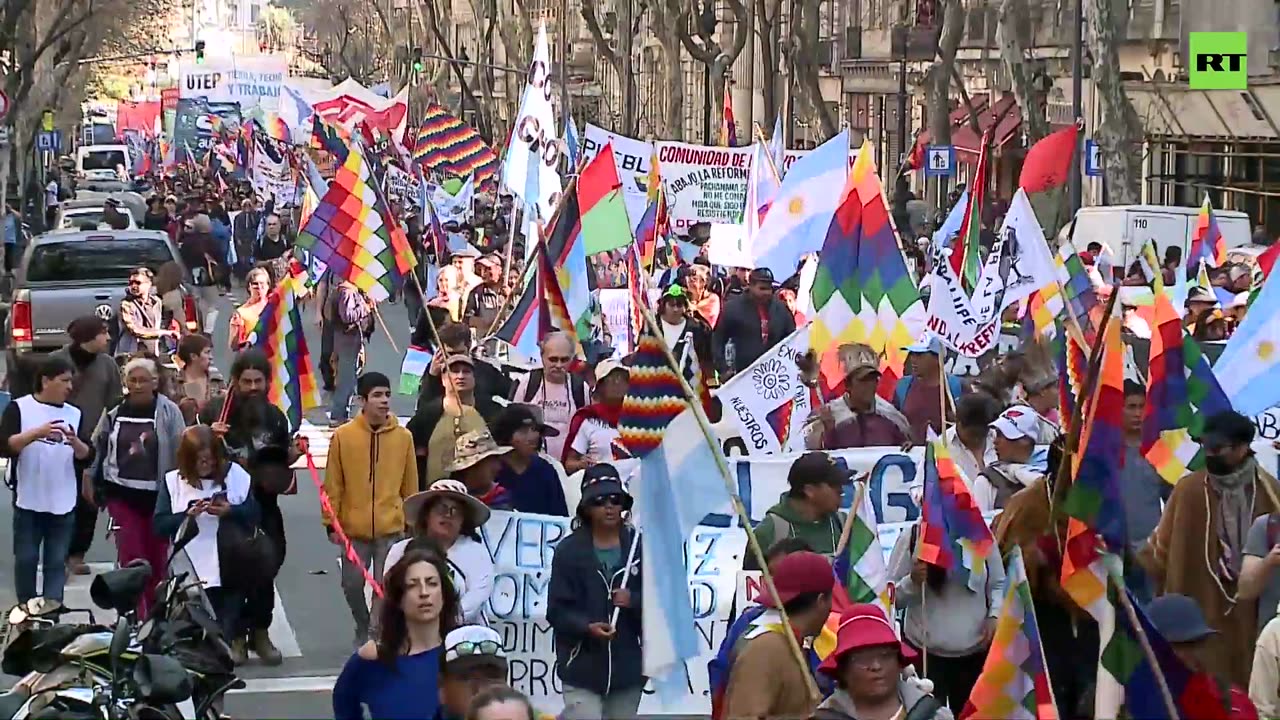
{"points": [[468, 648], [604, 500]]}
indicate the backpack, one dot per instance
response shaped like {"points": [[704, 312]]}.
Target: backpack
{"points": [[577, 388], [353, 310]]}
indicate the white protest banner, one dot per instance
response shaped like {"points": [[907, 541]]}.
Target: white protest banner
{"points": [[400, 185], [529, 169], [615, 310], [273, 178], [1019, 263], [522, 546], [767, 402], [455, 207], [951, 315], [249, 80]]}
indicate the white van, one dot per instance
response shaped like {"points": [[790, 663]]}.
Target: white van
{"points": [[1125, 228], [99, 162]]}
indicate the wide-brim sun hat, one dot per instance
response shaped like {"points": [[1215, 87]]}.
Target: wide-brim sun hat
{"points": [[452, 489], [473, 447]]}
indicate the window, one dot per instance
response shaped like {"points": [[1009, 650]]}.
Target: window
{"points": [[96, 259], [102, 160], [860, 111]]}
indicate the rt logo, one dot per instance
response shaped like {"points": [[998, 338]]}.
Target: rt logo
{"points": [[1219, 60]]}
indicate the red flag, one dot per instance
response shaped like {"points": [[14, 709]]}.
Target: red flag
{"points": [[1267, 259], [1048, 162]]}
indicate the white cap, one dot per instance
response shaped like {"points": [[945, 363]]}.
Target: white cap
{"points": [[1018, 422], [607, 366], [473, 641]]}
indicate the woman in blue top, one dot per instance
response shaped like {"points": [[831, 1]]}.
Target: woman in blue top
{"points": [[395, 677], [531, 479]]}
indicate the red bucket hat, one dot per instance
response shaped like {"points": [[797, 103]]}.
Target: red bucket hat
{"points": [[864, 626]]}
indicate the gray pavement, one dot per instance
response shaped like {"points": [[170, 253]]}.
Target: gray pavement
{"points": [[312, 625]]}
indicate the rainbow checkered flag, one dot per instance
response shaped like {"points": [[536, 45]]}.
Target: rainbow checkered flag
{"points": [[1014, 683], [280, 335], [352, 232], [1182, 392]]}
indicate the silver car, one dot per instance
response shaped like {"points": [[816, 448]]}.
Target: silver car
{"points": [[65, 275]]}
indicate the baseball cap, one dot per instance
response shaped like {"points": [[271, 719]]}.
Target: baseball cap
{"points": [[604, 367], [928, 343], [467, 359], [1178, 618], [472, 645], [1017, 423], [814, 468], [795, 575]]}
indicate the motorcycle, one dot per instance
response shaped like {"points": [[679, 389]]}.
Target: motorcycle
{"points": [[173, 665]]}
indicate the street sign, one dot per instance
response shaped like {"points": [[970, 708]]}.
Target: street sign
{"points": [[1092, 159], [940, 161], [49, 141], [4, 104]]}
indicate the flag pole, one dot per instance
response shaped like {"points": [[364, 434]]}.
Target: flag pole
{"points": [[1145, 642], [695, 404]]}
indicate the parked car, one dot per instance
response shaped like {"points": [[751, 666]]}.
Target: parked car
{"points": [[64, 275], [87, 215]]}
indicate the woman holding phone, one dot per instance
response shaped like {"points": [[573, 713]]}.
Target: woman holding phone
{"points": [[207, 487]]}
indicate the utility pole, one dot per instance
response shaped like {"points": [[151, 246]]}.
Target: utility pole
{"points": [[624, 49], [562, 33], [1077, 104]]}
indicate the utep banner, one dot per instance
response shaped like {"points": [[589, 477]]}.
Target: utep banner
{"points": [[522, 546], [251, 81]]}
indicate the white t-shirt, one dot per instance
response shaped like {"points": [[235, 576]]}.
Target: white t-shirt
{"points": [[203, 550], [471, 569], [595, 440], [51, 194], [44, 472]]}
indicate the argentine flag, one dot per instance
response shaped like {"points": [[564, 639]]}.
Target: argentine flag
{"points": [[802, 210], [1249, 368], [572, 147]]}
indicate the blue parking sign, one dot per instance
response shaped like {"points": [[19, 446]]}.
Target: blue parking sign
{"points": [[940, 161]]}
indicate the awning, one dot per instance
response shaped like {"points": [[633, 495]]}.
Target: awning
{"points": [[1003, 120], [1172, 111], [957, 118]]}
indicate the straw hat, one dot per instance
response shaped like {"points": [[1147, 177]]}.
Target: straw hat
{"points": [[473, 447], [478, 512]]}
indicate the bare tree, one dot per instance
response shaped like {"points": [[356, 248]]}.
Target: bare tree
{"points": [[805, 64], [672, 80], [276, 29], [516, 32], [699, 39], [1120, 132], [767, 14], [612, 39], [1013, 26]]}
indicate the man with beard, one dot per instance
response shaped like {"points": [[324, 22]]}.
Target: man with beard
{"points": [[257, 436]]}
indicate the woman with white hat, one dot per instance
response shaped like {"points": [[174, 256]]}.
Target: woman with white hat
{"points": [[449, 517]]}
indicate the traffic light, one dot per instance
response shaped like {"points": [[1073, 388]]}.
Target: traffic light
{"points": [[199, 52], [417, 59]]}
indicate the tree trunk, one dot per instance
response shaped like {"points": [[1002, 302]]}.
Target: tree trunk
{"points": [[804, 39], [939, 83], [1119, 134], [1012, 27], [672, 80], [767, 12]]}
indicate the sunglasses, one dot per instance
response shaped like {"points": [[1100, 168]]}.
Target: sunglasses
{"points": [[604, 500], [472, 649]]}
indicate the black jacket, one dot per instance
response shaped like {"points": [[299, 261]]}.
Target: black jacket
{"points": [[580, 594], [739, 322]]}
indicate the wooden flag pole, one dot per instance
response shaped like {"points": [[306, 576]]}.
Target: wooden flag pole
{"points": [[753, 543], [1170, 706], [385, 331]]}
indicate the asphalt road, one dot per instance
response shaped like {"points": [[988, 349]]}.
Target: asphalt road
{"points": [[312, 626]]}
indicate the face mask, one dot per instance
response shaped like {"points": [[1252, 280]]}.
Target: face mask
{"points": [[1219, 465]]}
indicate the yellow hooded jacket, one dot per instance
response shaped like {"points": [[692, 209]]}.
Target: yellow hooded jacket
{"points": [[368, 476]]}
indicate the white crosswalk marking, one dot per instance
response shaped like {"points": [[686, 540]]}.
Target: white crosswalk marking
{"points": [[318, 442], [76, 596]]}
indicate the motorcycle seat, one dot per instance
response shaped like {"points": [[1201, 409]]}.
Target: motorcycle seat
{"points": [[11, 702]]}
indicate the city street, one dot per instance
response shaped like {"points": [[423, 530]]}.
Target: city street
{"points": [[312, 626]]}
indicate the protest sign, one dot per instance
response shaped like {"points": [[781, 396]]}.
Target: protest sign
{"points": [[522, 546], [615, 306], [400, 185], [252, 81], [271, 173], [193, 127]]}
